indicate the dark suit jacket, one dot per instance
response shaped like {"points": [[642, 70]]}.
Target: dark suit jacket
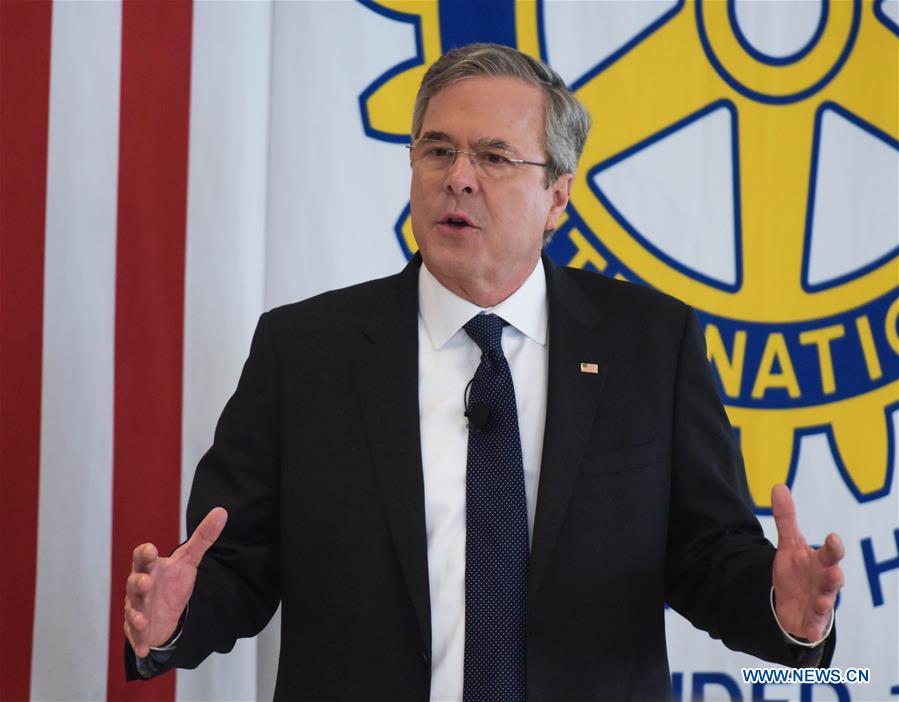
{"points": [[642, 500]]}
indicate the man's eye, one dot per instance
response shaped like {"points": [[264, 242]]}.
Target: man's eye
{"points": [[494, 158], [437, 152]]}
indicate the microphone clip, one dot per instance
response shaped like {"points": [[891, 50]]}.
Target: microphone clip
{"points": [[477, 413]]}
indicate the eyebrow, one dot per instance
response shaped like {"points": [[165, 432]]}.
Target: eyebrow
{"points": [[494, 143], [436, 136], [486, 142]]}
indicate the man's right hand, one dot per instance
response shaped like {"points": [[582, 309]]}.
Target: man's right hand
{"points": [[158, 589]]}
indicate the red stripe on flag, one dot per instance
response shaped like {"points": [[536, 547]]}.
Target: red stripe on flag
{"points": [[24, 103], [152, 213]]}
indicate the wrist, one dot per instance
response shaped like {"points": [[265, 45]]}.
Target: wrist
{"points": [[169, 644], [797, 640]]}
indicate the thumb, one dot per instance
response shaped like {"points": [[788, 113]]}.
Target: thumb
{"points": [[784, 511], [204, 536]]}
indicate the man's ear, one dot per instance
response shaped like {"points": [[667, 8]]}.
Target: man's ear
{"points": [[561, 192]]}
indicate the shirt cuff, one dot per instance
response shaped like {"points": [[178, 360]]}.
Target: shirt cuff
{"points": [[154, 661], [792, 639]]}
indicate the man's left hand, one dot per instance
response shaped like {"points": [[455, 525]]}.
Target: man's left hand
{"points": [[806, 580]]}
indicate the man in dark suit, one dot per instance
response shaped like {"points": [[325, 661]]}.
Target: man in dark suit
{"points": [[514, 540]]}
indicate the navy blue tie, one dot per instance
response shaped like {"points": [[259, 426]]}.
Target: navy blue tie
{"points": [[496, 544]]}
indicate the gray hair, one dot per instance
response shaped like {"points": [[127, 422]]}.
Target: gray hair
{"points": [[565, 121]]}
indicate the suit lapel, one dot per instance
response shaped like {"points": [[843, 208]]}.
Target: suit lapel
{"points": [[572, 399], [387, 381], [386, 377]]}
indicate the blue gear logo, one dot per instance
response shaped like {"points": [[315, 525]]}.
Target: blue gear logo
{"points": [[801, 344]]}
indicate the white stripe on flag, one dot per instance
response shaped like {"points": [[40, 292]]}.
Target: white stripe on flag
{"points": [[225, 266], [72, 587]]}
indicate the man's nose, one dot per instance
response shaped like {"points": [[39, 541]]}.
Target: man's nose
{"points": [[461, 176]]}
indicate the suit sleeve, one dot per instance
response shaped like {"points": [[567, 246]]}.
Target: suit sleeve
{"points": [[718, 569], [238, 582]]}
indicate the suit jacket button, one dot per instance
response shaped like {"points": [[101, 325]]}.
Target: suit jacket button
{"points": [[425, 657]]}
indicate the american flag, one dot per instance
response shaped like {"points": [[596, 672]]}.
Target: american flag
{"points": [[141, 240]]}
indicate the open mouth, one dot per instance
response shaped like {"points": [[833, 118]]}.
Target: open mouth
{"points": [[456, 221]]}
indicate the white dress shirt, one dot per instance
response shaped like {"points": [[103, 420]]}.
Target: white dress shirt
{"points": [[447, 360]]}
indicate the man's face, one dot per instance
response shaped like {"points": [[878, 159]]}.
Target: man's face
{"points": [[481, 237]]}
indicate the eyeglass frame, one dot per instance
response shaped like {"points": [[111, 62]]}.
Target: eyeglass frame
{"points": [[470, 153]]}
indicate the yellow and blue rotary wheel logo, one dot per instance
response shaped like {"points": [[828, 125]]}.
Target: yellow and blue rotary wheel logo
{"points": [[789, 260]]}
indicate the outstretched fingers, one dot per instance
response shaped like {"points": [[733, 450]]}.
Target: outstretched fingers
{"points": [[784, 510], [144, 557], [829, 557], [137, 586], [135, 619], [136, 624], [204, 536], [832, 551]]}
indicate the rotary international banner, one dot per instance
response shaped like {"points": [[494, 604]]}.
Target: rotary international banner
{"points": [[171, 170]]}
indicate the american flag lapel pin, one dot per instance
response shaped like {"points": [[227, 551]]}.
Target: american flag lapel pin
{"points": [[589, 368]]}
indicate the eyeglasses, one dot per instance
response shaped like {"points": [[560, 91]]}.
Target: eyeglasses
{"points": [[489, 161]]}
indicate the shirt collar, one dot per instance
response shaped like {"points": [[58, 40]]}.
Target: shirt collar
{"points": [[444, 313]]}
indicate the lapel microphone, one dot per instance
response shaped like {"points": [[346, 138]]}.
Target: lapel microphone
{"points": [[478, 413]]}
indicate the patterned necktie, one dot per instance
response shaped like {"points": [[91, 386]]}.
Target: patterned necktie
{"points": [[496, 545]]}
